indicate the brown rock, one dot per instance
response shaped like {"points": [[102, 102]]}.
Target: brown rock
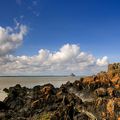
{"points": [[47, 89], [34, 104], [101, 92], [110, 109], [110, 91]]}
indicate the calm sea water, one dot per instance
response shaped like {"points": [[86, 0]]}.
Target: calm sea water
{"points": [[6, 82]]}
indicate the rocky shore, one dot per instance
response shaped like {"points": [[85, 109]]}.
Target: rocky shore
{"points": [[94, 97]]}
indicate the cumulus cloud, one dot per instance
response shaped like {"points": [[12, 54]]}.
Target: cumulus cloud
{"points": [[103, 61], [69, 58], [66, 53], [11, 38]]}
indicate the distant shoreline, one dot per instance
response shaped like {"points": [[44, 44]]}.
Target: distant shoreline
{"points": [[46, 76]]}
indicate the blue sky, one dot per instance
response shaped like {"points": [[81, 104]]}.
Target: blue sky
{"points": [[93, 25]]}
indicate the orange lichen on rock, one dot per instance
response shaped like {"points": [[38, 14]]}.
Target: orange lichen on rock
{"points": [[88, 80], [110, 91], [115, 79], [117, 86], [118, 118], [110, 109], [103, 115]]}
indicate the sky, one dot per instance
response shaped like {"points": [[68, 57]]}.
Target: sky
{"points": [[58, 37]]}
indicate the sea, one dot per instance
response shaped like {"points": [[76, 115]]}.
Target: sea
{"points": [[31, 81]]}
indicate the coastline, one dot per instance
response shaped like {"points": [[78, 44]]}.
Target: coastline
{"points": [[31, 81], [90, 98]]}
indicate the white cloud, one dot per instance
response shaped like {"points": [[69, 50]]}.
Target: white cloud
{"points": [[10, 38], [66, 53], [69, 58], [103, 61]]}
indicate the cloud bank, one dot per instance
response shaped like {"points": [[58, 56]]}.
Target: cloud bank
{"points": [[69, 58]]}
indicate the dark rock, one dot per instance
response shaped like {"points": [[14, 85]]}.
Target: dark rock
{"points": [[81, 116], [6, 90], [2, 116], [117, 94], [3, 106]]}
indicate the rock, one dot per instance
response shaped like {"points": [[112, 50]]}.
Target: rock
{"points": [[118, 118], [101, 92], [2, 116], [6, 90], [21, 118], [110, 91], [48, 89], [117, 93], [110, 109], [113, 67], [35, 104], [25, 112], [81, 116], [3, 106]]}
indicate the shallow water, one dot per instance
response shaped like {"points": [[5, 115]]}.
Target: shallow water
{"points": [[6, 82]]}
